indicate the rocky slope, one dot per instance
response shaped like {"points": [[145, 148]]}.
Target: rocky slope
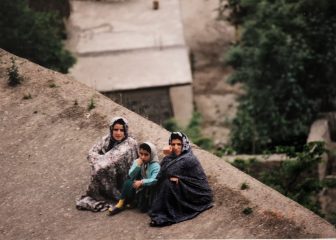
{"points": [[44, 140]]}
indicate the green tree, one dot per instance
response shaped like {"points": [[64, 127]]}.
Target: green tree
{"points": [[286, 58], [36, 36]]}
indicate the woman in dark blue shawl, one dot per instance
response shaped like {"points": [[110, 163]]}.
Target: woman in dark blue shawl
{"points": [[182, 189]]}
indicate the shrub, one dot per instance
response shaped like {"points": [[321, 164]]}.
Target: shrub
{"points": [[14, 77], [91, 104]]}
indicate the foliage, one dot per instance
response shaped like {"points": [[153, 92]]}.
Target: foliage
{"points": [[247, 210], [193, 131], [286, 58], [296, 177], [245, 165], [225, 150], [14, 77], [52, 85], [244, 186], [91, 104], [36, 36]]}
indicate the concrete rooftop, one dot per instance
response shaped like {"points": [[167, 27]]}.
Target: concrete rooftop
{"points": [[128, 45]]}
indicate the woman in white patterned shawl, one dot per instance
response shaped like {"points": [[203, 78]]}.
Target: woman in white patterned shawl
{"points": [[110, 161]]}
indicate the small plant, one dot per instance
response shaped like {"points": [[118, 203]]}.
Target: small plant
{"points": [[226, 150], [14, 77], [52, 85], [91, 104], [247, 210], [27, 96], [244, 186], [193, 131]]}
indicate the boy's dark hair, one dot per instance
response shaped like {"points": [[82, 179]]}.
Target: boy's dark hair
{"points": [[145, 147], [119, 121]]}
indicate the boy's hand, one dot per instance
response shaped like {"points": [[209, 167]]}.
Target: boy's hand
{"points": [[167, 150], [137, 184], [139, 161]]}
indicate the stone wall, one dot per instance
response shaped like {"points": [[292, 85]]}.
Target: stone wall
{"points": [[324, 130], [152, 103]]}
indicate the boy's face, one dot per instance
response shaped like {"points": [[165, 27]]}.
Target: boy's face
{"points": [[144, 155], [118, 132], [176, 145]]}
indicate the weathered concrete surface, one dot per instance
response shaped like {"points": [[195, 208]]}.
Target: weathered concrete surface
{"points": [[127, 25], [127, 45], [43, 145], [134, 70]]}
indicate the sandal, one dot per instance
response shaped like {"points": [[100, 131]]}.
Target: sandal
{"points": [[114, 211]]}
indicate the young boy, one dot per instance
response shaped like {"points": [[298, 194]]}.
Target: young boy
{"points": [[142, 176]]}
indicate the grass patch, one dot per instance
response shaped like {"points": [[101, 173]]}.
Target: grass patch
{"points": [[91, 104]]}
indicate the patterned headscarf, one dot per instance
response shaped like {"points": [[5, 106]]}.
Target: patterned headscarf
{"points": [[115, 120], [122, 121], [183, 138]]}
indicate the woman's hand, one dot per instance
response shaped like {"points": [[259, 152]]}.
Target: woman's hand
{"points": [[137, 184], [174, 179], [167, 150]]}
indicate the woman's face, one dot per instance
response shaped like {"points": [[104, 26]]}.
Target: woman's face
{"points": [[176, 145], [144, 155], [118, 132]]}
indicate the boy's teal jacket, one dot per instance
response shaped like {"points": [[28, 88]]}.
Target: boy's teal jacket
{"points": [[152, 171], [147, 172]]}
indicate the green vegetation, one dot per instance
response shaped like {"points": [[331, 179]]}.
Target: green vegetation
{"points": [[36, 36], [246, 165], [91, 104], [286, 58], [14, 77], [296, 177], [244, 186], [193, 131], [52, 85], [247, 210]]}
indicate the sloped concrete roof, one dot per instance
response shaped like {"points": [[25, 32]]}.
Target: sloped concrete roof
{"points": [[134, 69], [128, 45], [43, 146]]}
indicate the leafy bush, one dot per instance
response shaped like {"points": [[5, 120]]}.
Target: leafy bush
{"points": [[297, 177], [14, 77], [36, 36], [286, 59]]}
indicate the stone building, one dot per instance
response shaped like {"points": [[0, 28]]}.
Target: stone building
{"points": [[135, 55]]}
